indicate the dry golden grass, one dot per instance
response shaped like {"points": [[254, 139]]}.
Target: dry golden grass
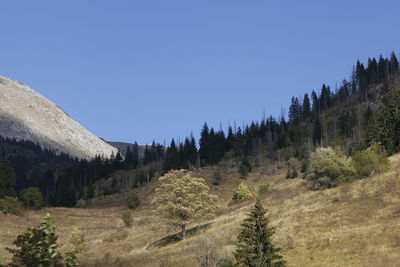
{"points": [[355, 224]]}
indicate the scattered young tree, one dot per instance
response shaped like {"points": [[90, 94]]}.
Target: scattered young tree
{"points": [[244, 168], [11, 205], [180, 198], [293, 166], [254, 244], [133, 200], [216, 178], [126, 217], [243, 193], [32, 198]]}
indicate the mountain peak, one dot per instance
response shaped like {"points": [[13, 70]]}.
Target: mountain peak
{"points": [[27, 115]]}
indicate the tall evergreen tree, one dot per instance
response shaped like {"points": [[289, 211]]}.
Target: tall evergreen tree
{"points": [[317, 132], [393, 63], [204, 144], [306, 106], [315, 103], [135, 152], [295, 111], [128, 159], [254, 244]]}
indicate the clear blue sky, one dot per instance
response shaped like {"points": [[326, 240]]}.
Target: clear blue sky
{"points": [[144, 70]]}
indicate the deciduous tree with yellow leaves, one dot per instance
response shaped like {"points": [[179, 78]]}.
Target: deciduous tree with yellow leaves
{"points": [[180, 198]]}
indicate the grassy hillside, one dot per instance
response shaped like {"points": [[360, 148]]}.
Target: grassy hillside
{"points": [[353, 224]]}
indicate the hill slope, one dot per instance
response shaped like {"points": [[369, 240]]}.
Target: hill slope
{"points": [[27, 115], [354, 224]]}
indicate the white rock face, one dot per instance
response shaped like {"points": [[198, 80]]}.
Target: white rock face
{"points": [[27, 115]]}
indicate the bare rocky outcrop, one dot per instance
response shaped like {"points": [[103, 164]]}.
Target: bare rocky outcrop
{"points": [[27, 115]]}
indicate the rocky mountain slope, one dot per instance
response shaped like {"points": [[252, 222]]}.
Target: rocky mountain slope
{"points": [[27, 115]]}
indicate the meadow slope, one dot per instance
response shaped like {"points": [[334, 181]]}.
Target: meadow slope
{"points": [[356, 224]]}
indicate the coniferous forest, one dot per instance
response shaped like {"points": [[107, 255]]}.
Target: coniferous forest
{"points": [[362, 111]]}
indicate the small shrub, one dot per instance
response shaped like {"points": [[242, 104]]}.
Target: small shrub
{"points": [[293, 166], [335, 200], [77, 240], [263, 190], [216, 178], [133, 201], [81, 203], [304, 166], [126, 217], [243, 193], [11, 205], [32, 198], [244, 168], [371, 160]]}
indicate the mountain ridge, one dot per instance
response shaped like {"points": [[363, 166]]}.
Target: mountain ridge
{"points": [[27, 115]]}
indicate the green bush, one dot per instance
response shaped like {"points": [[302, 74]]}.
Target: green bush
{"points": [[11, 205], [328, 167], [126, 217], [81, 203], [32, 198], [371, 160], [304, 166], [263, 190], [216, 178], [243, 193], [133, 201], [293, 166]]}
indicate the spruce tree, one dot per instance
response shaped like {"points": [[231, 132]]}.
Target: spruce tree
{"points": [[204, 144], [315, 103], [306, 106], [254, 243]]}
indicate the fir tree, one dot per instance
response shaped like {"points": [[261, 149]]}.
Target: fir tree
{"points": [[254, 244]]}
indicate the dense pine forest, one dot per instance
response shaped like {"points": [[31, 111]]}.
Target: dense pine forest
{"points": [[362, 111]]}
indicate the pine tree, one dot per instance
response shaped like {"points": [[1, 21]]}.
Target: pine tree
{"points": [[254, 244]]}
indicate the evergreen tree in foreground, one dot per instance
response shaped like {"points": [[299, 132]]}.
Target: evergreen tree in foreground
{"points": [[254, 244]]}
